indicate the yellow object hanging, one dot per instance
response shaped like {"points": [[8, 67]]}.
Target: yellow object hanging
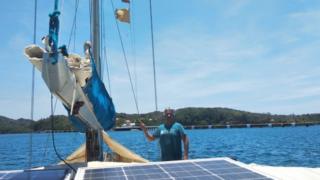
{"points": [[120, 153], [78, 156], [123, 15], [123, 154]]}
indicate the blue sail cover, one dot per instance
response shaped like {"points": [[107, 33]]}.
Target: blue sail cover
{"points": [[102, 103], [103, 107]]}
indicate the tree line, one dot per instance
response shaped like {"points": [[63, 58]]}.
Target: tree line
{"points": [[186, 116]]}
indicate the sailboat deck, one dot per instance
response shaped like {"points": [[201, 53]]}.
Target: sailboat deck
{"points": [[212, 168]]}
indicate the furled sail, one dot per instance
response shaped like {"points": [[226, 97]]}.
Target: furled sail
{"points": [[75, 82]]}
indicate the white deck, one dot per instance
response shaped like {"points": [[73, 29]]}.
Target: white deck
{"points": [[290, 173], [281, 173]]}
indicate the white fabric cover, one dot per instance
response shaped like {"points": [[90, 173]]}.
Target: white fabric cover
{"points": [[81, 67]]}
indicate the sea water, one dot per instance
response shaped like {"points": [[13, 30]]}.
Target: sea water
{"points": [[287, 146]]}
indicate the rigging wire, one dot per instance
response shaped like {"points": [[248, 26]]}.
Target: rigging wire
{"points": [[103, 42], [126, 61], [61, 15], [153, 58], [52, 126], [74, 26], [72, 33], [133, 49], [44, 158], [90, 20], [101, 55], [55, 105], [133, 41], [33, 84], [53, 138]]}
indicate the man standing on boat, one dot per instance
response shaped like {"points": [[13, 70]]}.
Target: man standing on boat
{"points": [[170, 135]]}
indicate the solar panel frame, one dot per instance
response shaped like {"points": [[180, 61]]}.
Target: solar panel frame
{"points": [[212, 168]]}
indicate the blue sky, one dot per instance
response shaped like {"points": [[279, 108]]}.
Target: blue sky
{"points": [[258, 56]]}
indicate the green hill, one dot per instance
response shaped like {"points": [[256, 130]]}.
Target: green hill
{"points": [[186, 116], [8, 125], [220, 116]]}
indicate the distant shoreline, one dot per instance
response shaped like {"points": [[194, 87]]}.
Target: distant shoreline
{"points": [[188, 117], [234, 126]]}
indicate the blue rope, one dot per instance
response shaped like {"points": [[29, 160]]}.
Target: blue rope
{"points": [[56, 3], [54, 32]]}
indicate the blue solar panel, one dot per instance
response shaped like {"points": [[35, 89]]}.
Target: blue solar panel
{"points": [[35, 175], [193, 169], [242, 176]]}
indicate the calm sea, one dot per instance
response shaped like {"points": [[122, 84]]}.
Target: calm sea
{"points": [[289, 146]]}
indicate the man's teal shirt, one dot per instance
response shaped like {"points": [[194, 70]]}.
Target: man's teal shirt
{"points": [[170, 141]]}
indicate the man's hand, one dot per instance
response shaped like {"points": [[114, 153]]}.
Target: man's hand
{"points": [[185, 140], [146, 133]]}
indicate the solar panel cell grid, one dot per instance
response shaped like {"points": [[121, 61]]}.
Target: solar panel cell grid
{"points": [[241, 176], [209, 177], [35, 174], [148, 176], [214, 169], [227, 170]]}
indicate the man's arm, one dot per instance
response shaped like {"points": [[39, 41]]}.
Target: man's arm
{"points": [[185, 140], [146, 133]]}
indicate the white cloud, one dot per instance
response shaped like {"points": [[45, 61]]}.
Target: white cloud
{"points": [[189, 65]]}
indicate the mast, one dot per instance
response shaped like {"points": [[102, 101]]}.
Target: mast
{"points": [[95, 27], [94, 150]]}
